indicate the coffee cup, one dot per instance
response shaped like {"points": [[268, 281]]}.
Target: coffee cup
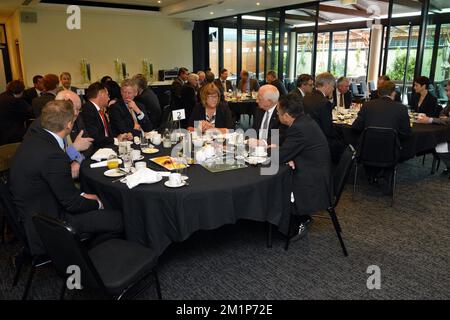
{"points": [[175, 179], [198, 142], [156, 139], [136, 155], [140, 165]]}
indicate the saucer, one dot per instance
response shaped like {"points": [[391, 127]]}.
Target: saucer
{"points": [[150, 150], [255, 160], [114, 173], [168, 184], [262, 155], [139, 159]]}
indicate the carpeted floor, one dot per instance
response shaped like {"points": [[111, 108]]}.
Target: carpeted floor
{"points": [[409, 242]]}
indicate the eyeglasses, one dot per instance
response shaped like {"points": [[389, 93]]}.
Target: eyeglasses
{"points": [[212, 96]]}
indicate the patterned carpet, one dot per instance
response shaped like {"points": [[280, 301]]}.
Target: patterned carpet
{"points": [[410, 243]]}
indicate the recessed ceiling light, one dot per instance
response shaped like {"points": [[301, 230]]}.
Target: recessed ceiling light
{"points": [[159, 1], [258, 3], [211, 12], [229, 9]]}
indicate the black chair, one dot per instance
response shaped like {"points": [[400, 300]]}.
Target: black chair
{"points": [[166, 118], [114, 267], [25, 255], [379, 148], [340, 177]]}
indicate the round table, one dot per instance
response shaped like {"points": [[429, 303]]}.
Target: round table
{"points": [[247, 106], [424, 137], [157, 216]]}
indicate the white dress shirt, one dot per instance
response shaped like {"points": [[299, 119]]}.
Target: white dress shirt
{"points": [[264, 133]]}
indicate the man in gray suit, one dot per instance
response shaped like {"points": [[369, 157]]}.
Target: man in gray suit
{"points": [[442, 149]]}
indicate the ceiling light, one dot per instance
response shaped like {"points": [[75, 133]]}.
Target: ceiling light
{"points": [[159, 1], [229, 9], [258, 3], [211, 13]]}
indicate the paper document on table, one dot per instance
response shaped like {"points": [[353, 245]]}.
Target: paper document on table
{"points": [[442, 147]]}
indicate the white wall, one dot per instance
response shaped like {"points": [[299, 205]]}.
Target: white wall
{"points": [[49, 47]]}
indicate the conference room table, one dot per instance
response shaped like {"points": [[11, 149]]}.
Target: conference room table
{"points": [[425, 137], [156, 216]]}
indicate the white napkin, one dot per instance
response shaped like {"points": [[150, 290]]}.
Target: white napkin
{"points": [[204, 154], [144, 175], [103, 153], [103, 163]]}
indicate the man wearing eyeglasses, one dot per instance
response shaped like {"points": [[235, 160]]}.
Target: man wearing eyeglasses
{"points": [[305, 85]]}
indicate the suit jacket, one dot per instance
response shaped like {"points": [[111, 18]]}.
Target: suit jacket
{"points": [[280, 86], [122, 121], [320, 110], [94, 126], [223, 116], [13, 114], [39, 102], [175, 93], [253, 85], [296, 90], [385, 113], [188, 99], [374, 95], [347, 99], [149, 99], [29, 95], [41, 182], [306, 145], [219, 85], [274, 123], [429, 105]]}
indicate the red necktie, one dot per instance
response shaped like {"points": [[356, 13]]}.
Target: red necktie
{"points": [[105, 122]]}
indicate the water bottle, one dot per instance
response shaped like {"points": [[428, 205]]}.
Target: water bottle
{"points": [[166, 139]]}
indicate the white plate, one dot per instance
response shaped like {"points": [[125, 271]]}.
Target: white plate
{"points": [[150, 150], [255, 160], [139, 159], [264, 155], [167, 184], [114, 173]]}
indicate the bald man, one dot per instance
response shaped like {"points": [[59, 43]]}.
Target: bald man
{"points": [[265, 118]]}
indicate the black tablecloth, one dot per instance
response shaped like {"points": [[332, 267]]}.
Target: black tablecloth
{"points": [[424, 137], [157, 216]]}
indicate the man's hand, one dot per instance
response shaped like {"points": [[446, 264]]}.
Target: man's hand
{"points": [[133, 106], [93, 197], [125, 137], [137, 126], [75, 168], [82, 144], [291, 164], [423, 119]]}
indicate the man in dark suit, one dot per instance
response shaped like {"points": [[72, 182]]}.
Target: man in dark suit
{"points": [[342, 97], [222, 83], [35, 91], [41, 181], [306, 150], [126, 115], [14, 111], [94, 116], [305, 85], [387, 113], [175, 89], [66, 82], [320, 109], [271, 78], [375, 95], [148, 99], [247, 84], [78, 145], [51, 82], [266, 118]]}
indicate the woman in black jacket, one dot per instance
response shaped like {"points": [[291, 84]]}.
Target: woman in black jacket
{"points": [[423, 101]]}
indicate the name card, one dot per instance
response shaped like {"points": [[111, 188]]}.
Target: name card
{"points": [[178, 115]]}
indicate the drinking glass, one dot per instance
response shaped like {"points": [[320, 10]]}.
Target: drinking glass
{"points": [[144, 143], [112, 162]]}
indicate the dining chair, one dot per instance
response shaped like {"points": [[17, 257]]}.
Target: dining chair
{"points": [[379, 147], [113, 267]]}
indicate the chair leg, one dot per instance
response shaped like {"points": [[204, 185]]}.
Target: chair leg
{"points": [[394, 176], [3, 229], [338, 230], [438, 163], [63, 289], [19, 261], [288, 237], [30, 279], [269, 235], [423, 160], [158, 287], [354, 181], [433, 164]]}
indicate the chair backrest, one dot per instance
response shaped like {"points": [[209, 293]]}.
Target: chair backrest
{"points": [[12, 215], [371, 85], [166, 117], [7, 152], [342, 172], [363, 88], [354, 88], [379, 147], [64, 248]]}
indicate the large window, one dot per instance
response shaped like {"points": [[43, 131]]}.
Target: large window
{"points": [[337, 67], [249, 47], [273, 40], [323, 49], [262, 53], [305, 46], [358, 53], [230, 52], [214, 50], [443, 55], [428, 51]]}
